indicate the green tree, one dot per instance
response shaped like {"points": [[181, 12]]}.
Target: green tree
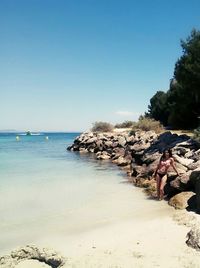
{"points": [[176, 99], [184, 96], [180, 105], [158, 108]]}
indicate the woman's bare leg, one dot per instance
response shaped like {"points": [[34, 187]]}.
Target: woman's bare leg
{"points": [[158, 181], [162, 185]]}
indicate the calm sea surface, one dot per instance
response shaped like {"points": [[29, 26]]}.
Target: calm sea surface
{"points": [[46, 191]]}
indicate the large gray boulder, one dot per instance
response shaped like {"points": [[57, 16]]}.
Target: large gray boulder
{"points": [[122, 141], [194, 165], [130, 140], [182, 182], [103, 155], [108, 144], [91, 140], [180, 201], [181, 151], [195, 184], [137, 147], [140, 171], [183, 161], [152, 167], [119, 152], [83, 151], [122, 161], [196, 155], [193, 238], [189, 181], [180, 168], [150, 158]]}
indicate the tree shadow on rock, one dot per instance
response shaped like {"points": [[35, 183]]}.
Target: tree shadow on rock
{"points": [[168, 140]]}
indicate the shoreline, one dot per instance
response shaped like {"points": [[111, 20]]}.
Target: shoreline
{"points": [[154, 238], [138, 155]]}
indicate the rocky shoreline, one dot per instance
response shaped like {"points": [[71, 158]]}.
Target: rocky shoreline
{"points": [[139, 154]]}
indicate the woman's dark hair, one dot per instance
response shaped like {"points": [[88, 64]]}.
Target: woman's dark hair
{"points": [[164, 152]]}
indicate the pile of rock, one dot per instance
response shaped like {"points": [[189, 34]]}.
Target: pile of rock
{"points": [[139, 155], [32, 256]]}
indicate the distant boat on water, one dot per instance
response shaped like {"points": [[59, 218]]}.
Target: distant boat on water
{"points": [[29, 133]]}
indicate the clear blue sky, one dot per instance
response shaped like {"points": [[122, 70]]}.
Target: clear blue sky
{"points": [[67, 63]]}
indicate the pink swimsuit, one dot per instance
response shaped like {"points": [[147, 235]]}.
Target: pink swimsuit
{"points": [[163, 166]]}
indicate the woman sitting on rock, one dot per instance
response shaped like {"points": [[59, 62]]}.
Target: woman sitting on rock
{"points": [[160, 173]]}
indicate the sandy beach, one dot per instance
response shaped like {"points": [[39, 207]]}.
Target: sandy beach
{"points": [[154, 238]]}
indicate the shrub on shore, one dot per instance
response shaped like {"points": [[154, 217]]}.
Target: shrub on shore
{"points": [[125, 124], [102, 127], [147, 124]]}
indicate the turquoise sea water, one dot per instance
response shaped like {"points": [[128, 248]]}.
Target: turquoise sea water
{"points": [[46, 191]]}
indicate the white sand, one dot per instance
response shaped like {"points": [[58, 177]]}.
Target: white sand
{"points": [[141, 233], [158, 242], [32, 264], [151, 239], [152, 243]]}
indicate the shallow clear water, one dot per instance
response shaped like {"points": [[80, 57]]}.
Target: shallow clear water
{"points": [[47, 191]]}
